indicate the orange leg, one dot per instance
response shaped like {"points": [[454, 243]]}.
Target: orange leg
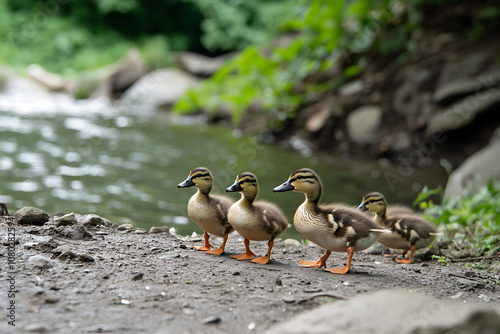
{"points": [[207, 245], [347, 267], [403, 254], [410, 257], [220, 250], [265, 259], [248, 255], [317, 264]]}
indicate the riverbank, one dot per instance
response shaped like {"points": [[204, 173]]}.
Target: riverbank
{"points": [[92, 278]]}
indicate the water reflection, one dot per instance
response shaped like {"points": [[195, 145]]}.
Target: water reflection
{"points": [[126, 167]]}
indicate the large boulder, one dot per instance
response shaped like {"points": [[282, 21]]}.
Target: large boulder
{"points": [[113, 80], [476, 171], [394, 312], [160, 88], [363, 124], [31, 216], [52, 81]]}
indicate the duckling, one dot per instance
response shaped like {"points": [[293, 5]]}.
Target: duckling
{"points": [[208, 211], [409, 231], [258, 221], [335, 227]]}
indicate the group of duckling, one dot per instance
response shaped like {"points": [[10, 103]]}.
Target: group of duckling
{"points": [[335, 227]]}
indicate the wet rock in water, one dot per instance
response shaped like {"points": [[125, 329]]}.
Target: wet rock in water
{"points": [[93, 220], [159, 229], [69, 219], [201, 65], [50, 80], [75, 232], [363, 124], [31, 216], [125, 227], [84, 257], [40, 262]]}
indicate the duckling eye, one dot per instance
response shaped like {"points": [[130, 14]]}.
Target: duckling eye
{"points": [[247, 180], [198, 175], [299, 177], [371, 201]]}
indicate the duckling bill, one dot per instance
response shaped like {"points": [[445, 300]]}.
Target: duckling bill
{"points": [[409, 232], [208, 211], [254, 220], [337, 227]]}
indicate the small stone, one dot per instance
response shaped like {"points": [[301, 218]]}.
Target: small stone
{"points": [[50, 300], [69, 219], [41, 262], [37, 328], [61, 249], [30, 244], [85, 257], [188, 311], [211, 320], [140, 231], [352, 88], [31, 216], [291, 242], [137, 277], [99, 328], [159, 229], [363, 123], [125, 227], [66, 255], [278, 281], [93, 220], [236, 273], [289, 299]]}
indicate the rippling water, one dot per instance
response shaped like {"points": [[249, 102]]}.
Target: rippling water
{"points": [[86, 157]]}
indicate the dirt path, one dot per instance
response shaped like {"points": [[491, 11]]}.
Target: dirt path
{"points": [[156, 283]]}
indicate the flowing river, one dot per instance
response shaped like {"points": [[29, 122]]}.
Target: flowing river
{"points": [[85, 157]]}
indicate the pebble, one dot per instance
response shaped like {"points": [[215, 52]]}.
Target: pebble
{"points": [[69, 219], [85, 257], [61, 249], [41, 262], [159, 229], [140, 231], [125, 227], [211, 320], [37, 327], [289, 299], [67, 255], [137, 277]]}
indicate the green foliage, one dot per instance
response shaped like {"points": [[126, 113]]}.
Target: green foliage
{"points": [[471, 221], [441, 260], [276, 79]]}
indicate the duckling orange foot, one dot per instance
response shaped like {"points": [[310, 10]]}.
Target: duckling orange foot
{"points": [[409, 260], [207, 246], [347, 267], [248, 255], [343, 270], [317, 264], [406, 261], [261, 260], [217, 251]]}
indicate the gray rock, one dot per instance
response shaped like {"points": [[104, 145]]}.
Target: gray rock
{"points": [[69, 219], [478, 322], [160, 88], [75, 232], [84, 257], [211, 320], [66, 255], [159, 229], [409, 98], [466, 68], [201, 65], [387, 312], [37, 327], [352, 88], [463, 112], [474, 173], [125, 227], [52, 81], [61, 249], [363, 123], [93, 220], [465, 86], [40, 262], [31, 216]]}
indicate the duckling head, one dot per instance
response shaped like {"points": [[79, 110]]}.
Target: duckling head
{"points": [[246, 184], [374, 202], [200, 178], [305, 181]]}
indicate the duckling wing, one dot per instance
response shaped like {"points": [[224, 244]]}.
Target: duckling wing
{"points": [[221, 205], [272, 220]]}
